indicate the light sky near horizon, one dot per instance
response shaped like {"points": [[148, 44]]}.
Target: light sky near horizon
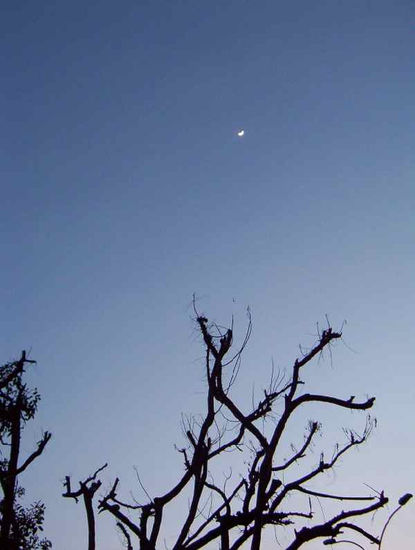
{"points": [[125, 189]]}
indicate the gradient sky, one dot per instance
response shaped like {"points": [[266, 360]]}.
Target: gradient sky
{"points": [[124, 189]]}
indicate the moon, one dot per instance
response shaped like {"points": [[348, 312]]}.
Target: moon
{"points": [[240, 133]]}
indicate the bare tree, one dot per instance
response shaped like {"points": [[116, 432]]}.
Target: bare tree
{"points": [[87, 490], [19, 526], [237, 513]]}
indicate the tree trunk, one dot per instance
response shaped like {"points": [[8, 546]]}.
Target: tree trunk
{"points": [[9, 480], [91, 520]]}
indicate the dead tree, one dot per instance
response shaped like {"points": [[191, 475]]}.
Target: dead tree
{"points": [[18, 404], [87, 490], [236, 513]]}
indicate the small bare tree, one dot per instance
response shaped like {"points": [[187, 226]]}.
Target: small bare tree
{"points": [[237, 513], [86, 490]]}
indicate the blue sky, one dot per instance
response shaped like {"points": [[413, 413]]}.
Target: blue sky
{"points": [[125, 189]]}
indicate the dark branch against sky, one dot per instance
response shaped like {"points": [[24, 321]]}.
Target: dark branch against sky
{"points": [[125, 189]]}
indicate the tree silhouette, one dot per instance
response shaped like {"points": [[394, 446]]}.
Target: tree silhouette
{"points": [[271, 492], [19, 526], [87, 490]]}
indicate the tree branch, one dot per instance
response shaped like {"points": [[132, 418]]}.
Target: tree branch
{"points": [[40, 447]]}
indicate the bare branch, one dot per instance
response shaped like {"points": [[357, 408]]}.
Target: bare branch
{"points": [[126, 535], [40, 447], [325, 495], [349, 404], [300, 454], [332, 527]]}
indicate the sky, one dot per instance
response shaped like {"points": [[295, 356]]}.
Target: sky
{"points": [[125, 190]]}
